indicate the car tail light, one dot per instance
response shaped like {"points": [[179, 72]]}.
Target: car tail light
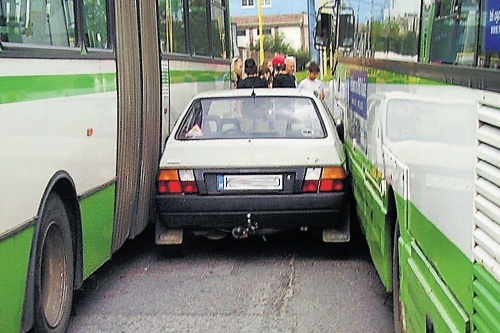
{"points": [[329, 179], [171, 181]]}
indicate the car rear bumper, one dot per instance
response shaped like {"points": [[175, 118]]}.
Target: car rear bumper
{"points": [[268, 211]]}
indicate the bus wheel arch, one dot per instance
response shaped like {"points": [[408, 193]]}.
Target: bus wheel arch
{"points": [[398, 314], [57, 228]]}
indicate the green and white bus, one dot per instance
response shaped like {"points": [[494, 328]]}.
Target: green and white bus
{"points": [[88, 91], [419, 95]]}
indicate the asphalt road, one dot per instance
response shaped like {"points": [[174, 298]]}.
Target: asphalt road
{"points": [[289, 283]]}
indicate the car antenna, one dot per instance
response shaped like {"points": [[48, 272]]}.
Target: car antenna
{"points": [[253, 94]]}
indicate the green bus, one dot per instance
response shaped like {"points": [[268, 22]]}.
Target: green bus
{"points": [[89, 89], [418, 93]]}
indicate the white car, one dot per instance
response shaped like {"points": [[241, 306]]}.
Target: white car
{"points": [[252, 162]]}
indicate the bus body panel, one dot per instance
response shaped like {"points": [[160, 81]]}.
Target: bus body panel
{"points": [[435, 161], [486, 300], [486, 250], [34, 148], [97, 210], [29, 122], [371, 208], [426, 298], [14, 258], [85, 122]]}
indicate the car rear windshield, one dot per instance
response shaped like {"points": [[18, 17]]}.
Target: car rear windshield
{"points": [[251, 117]]}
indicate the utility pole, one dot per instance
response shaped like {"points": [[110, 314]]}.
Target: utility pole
{"points": [[261, 32], [323, 55]]}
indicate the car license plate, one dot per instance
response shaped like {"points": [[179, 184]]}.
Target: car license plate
{"points": [[249, 182]]}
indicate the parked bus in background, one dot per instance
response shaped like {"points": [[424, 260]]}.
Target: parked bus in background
{"points": [[85, 86], [419, 95]]}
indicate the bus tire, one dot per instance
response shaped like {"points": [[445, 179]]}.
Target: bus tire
{"points": [[396, 301], [54, 269]]}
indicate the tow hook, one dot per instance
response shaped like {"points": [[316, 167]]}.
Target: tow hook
{"points": [[243, 231]]}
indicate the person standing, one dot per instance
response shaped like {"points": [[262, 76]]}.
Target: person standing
{"points": [[311, 82], [252, 79], [290, 67], [266, 74], [237, 71], [282, 79]]}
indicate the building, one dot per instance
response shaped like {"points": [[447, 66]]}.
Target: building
{"points": [[294, 19]]}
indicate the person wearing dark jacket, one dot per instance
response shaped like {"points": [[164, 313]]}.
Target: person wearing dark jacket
{"points": [[252, 79], [282, 78]]}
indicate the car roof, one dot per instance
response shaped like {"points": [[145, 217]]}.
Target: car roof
{"points": [[274, 92]]}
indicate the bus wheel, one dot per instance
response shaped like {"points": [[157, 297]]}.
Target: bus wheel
{"points": [[54, 271], [396, 301]]}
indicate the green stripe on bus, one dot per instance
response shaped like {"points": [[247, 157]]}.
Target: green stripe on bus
{"points": [[371, 209], [181, 76], [14, 258], [486, 301], [97, 213], [383, 76], [448, 277], [451, 263], [28, 88], [428, 300]]}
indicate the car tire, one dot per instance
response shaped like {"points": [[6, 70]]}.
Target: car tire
{"points": [[54, 269]]}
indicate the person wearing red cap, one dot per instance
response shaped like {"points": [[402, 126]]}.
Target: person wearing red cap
{"points": [[282, 79]]}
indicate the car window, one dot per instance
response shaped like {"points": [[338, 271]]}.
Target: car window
{"points": [[251, 117]]}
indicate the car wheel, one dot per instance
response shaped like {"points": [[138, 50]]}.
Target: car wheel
{"points": [[54, 269]]}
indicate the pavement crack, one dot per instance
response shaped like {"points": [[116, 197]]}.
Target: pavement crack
{"points": [[289, 289]]}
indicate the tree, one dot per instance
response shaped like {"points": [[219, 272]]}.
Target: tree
{"points": [[274, 43]]}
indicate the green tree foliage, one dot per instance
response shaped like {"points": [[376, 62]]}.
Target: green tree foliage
{"points": [[302, 57], [97, 31], [198, 27], [276, 43], [390, 37]]}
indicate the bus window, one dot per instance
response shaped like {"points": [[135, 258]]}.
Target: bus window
{"points": [[218, 26], [454, 34], [96, 34], [172, 34], [198, 32], [37, 22]]}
